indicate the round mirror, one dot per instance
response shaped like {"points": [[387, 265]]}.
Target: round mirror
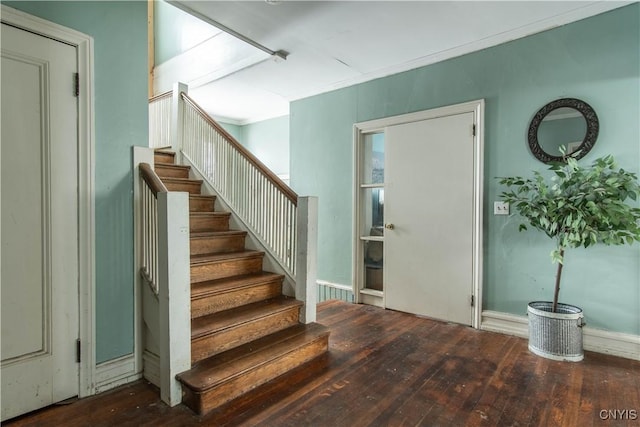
{"points": [[568, 123]]}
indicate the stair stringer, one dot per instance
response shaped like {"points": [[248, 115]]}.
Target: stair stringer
{"points": [[253, 242]]}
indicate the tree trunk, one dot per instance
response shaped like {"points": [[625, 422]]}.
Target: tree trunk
{"points": [[558, 276]]}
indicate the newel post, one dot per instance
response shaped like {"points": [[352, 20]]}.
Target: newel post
{"points": [[174, 293], [176, 118], [307, 256]]}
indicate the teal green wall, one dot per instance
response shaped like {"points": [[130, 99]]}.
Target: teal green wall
{"points": [[119, 30], [597, 60], [233, 129], [268, 140]]}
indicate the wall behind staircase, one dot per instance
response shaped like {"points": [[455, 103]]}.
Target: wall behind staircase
{"points": [[268, 140], [119, 29]]}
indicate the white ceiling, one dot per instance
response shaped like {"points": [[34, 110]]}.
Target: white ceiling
{"points": [[335, 44]]}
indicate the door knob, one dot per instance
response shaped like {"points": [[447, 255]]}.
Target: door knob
{"points": [[389, 226]]}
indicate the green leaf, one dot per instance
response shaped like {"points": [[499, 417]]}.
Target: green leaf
{"points": [[578, 205]]}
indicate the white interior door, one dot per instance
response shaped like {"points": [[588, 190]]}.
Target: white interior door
{"points": [[429, 200], [39, 222]]}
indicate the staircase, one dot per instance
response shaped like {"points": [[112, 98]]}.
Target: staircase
{"points": [[244, 332]]}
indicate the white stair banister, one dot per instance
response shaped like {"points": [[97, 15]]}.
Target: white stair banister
{"points": [[252, 191], [160, 120]]}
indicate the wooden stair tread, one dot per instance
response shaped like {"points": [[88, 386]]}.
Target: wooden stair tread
{"points": [[207, 258], [210, 234], [165, 170], [174, 166], [216, 322], [201, 202], [172, 170], [214, 238], [201, 196], [193, 186], [233, 363], [208, 214], [219, 286], [181, 180], [220, 294], [160, 155]]}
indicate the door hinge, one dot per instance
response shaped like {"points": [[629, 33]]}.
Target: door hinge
{"points": [[76, 84], [473, 130], [78, 352], [473, 301]]}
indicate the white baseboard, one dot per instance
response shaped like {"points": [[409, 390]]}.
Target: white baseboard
{"points": [[597, 340], [505, 323], [614, 343], [151, 364], [116, 372]]}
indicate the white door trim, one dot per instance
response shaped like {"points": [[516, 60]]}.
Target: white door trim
{"points": [[86, 184], [378, 125]]}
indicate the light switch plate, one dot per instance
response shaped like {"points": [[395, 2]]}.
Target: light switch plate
{"points": [[500, 208]]}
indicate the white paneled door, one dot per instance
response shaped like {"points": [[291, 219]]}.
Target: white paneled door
{"points": [[429, 216], [39, 222]]}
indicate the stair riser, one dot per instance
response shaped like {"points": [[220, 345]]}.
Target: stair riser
{"points": [[201, 204], [226, 268], [165, 172], [204, 402], [208, 223], [236, 298], [217, 244], [226, 339], [190, 187], [163, 158]]}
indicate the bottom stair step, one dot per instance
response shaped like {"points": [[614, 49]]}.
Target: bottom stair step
{"points": [[226, 376]]}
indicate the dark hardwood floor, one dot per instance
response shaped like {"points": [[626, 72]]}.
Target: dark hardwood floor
{"points": [[386, 368]]}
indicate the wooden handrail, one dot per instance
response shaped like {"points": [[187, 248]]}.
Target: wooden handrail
{"points": [[149, 175], [160, 96], [273, 178]]}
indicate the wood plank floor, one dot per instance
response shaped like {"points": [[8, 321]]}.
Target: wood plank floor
{"points": [[387, 368]]}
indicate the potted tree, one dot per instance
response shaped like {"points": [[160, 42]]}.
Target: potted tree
{"points": [[576, 206]]}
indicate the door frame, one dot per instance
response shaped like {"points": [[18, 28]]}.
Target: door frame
{"points": [[378, 125], [86, 182]]}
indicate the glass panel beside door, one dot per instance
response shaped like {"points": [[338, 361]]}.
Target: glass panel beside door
{"points": [[372, 237], [371, 213], [372, 159]]}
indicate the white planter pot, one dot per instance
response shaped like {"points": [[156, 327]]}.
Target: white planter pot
{"points": [[556, 336]]}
